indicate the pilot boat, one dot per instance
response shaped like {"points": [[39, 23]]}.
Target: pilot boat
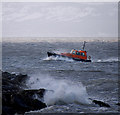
{"points": [[77, 55]]}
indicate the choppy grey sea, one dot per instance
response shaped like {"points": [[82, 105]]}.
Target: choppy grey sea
{"points": [[73, 82]]}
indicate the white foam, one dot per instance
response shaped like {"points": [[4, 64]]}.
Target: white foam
{"points": [[111, 59], [59, 91], [58, 58], [108, 60]]}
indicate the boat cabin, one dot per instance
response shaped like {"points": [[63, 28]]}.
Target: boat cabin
{"points": [[80, 54]]}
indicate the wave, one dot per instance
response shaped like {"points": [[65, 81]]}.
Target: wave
{"points": [[59, 91], [107, 60], [58, 58]]}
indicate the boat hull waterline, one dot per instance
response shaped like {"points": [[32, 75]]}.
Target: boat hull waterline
{"points": [[59, 55]]}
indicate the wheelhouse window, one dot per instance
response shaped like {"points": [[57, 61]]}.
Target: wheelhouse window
{"points": [[82, 54], [71, 51], [77, 53], [74, 52]]}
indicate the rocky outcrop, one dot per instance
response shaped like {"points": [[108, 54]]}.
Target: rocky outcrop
{"points": [[100, 103], [17, 100]]}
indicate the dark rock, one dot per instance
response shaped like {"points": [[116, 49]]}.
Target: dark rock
{"points": [[24, 101], [30, 93], [8, 110], [12, 82], [118, 104], [100, 103], [17, 100]]}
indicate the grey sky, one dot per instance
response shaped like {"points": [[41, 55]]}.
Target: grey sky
{"points": [[60, 19]]}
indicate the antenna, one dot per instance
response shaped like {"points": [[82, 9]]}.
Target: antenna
{"points": [[84, 44]]}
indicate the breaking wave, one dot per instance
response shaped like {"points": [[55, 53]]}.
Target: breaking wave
{"points": [[71, 60], [58, 58], [59, 91], [108, 60]]}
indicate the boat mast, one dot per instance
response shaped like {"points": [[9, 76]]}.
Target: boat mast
{"points": [[84, 45]]}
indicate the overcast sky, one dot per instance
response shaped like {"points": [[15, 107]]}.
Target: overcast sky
{"points": [[60, 19]]}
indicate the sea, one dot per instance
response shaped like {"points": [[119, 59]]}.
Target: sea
{"points": [[72, 84]]}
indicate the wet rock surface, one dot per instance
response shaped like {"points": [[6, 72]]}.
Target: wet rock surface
{"points": [[17, 100]]}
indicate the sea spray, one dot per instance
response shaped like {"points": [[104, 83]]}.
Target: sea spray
{"points": [[59, 91], [108, 60], [112, 59], [58, 58]]}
